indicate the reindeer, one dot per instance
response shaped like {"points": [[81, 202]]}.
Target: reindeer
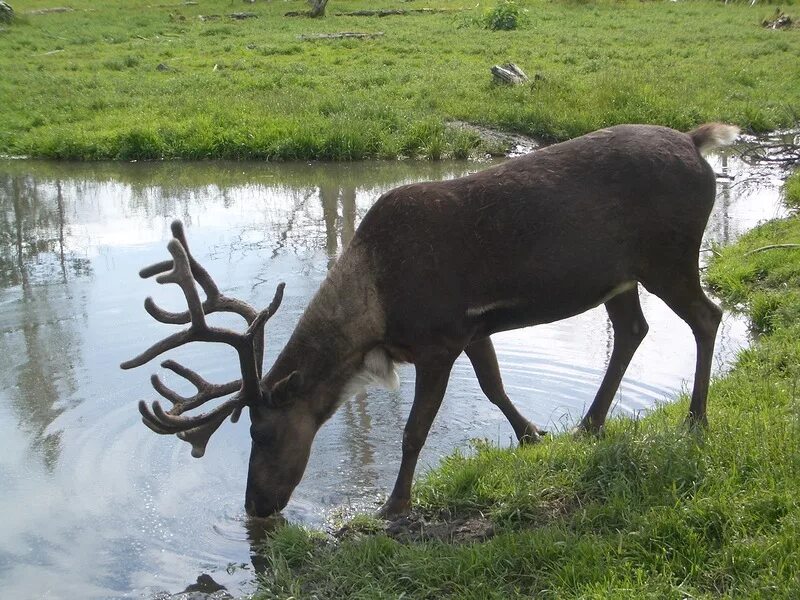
{"points": [[434, 270]]}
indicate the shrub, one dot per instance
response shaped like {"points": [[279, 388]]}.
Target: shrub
{"points": [[506, 15]]}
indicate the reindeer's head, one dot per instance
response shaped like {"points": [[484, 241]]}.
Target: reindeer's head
{"points": [[281, 431], [281, 434]]}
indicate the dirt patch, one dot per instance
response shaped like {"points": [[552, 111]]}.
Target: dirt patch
{"points": [[338, 36], [417, 528], [498, 143], [388, 12]]}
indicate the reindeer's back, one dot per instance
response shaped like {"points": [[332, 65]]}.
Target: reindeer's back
{"points": [[567, 222]]}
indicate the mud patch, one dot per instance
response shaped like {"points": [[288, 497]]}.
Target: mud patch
{"points": [[497, 143], [418, 528]]}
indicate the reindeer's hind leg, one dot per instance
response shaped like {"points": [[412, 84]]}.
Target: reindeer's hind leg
{"points": [[484, 360], [630, 328], [685, 296]]}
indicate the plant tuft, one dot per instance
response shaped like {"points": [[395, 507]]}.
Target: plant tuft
{"points": [[505, 16]]}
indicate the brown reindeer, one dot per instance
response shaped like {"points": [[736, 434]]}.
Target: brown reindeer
{"points": [[434, 269]]}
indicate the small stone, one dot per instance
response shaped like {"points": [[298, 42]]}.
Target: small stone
{"points": [[6, 12], [508, 74]]}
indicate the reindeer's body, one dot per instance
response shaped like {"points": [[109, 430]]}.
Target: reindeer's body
{"points": [[435, 268], [539, 238]]}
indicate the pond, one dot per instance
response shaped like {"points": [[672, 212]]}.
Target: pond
{"points": [[97, 506]]}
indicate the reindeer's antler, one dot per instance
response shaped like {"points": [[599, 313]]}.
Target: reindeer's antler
{"points": [[184, 270]]}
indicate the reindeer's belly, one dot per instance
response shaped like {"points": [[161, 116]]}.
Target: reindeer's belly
{"points": [[516, 312]]}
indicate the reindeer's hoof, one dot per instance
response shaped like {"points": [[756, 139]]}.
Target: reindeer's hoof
{"points": [[532, 435], [587, 430], [696, 423], [394, 508]]}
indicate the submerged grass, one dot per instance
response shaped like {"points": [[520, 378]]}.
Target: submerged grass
{"points": [[650, 510], [125, 80]]}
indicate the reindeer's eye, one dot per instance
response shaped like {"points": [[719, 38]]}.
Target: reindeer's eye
{"points": [[260, 437], [264, 435]]}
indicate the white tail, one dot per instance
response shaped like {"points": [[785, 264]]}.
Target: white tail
{"points": [[712, 135]]}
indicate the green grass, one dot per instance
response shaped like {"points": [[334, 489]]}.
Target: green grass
{"points": [[791, 190], [86, 84], [650, 510], [762, 279]]}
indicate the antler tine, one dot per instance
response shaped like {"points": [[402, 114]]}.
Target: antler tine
{"points": [[198, 271], [198, 330], [205, 391], [181, 274], [264, 316], [215, 302], [184, 271], [195, 430], [184, 423], [165, 316], [168, 343], [159, 267], [221, 303], [199, 436]]}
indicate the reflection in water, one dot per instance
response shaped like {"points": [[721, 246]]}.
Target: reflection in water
{"points": [[35, 218], [104, 491], [355, 433], [258, 531], [205, 584], [32, 233]]}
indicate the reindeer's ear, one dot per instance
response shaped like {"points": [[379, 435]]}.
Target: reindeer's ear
{"points": [[284, 391]]}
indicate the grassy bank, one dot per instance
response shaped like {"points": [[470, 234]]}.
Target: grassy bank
{"points": [[126, 80], [648, 511]]}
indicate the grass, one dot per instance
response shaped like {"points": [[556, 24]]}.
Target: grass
{"points": [[650, 510], [791, 190], [122, 80], [759, 277]]}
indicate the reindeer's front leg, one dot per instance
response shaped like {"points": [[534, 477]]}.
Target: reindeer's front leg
{"points": [[432, 374]]}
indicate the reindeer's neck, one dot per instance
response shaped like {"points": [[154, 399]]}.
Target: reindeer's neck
{"points": [[343, 322]]}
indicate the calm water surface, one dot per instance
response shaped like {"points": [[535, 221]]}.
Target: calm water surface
{"points": [[94, 505]]}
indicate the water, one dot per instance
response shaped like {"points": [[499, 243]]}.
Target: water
{"points": [[97, 506]]}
